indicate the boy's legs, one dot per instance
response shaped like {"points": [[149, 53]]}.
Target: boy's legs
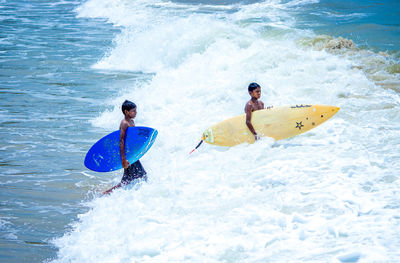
{"points": [[134, 171]]}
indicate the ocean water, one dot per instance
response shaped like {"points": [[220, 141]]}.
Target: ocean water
{"points": [[329, 195]]}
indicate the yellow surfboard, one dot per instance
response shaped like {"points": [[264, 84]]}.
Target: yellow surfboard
{"points": [[277, 122]]}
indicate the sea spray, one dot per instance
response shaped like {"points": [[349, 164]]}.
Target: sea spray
{"points": [[329, 193]]}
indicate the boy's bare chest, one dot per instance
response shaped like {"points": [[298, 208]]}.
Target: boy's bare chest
{"points": [[256, 106], [131, 123]]}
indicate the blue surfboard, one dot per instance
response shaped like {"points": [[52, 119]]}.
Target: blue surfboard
{"points": [[105, 155]]}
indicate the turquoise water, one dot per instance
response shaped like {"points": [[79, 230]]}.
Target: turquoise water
{"points": [[48, 91], [66, 66], [371, 24]]}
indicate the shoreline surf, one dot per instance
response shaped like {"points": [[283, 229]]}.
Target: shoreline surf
{"points": [[66, 67]]}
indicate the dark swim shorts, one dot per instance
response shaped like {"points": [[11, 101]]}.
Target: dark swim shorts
{"points": [[134, 171]]}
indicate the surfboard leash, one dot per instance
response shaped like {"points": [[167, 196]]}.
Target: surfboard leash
{"points": [[198, 145]]}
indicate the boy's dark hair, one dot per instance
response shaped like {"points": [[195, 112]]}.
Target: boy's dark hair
{"points": [[253, 86], [127, 105]]}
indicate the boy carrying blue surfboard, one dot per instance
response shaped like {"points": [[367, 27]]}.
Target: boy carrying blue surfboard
{"points": [[135, 170]]}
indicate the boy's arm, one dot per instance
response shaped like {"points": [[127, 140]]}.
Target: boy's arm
{"points": [[122, 136], [248, 121]]}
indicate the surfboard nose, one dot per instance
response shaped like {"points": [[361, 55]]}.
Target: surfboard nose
{"points": [[329, 111], [326, 110]]}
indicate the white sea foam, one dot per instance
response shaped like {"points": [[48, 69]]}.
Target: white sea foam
{"points": [[330, 194]]}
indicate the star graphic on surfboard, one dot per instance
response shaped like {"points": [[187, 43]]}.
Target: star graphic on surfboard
{"points": [[299, 125]]}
